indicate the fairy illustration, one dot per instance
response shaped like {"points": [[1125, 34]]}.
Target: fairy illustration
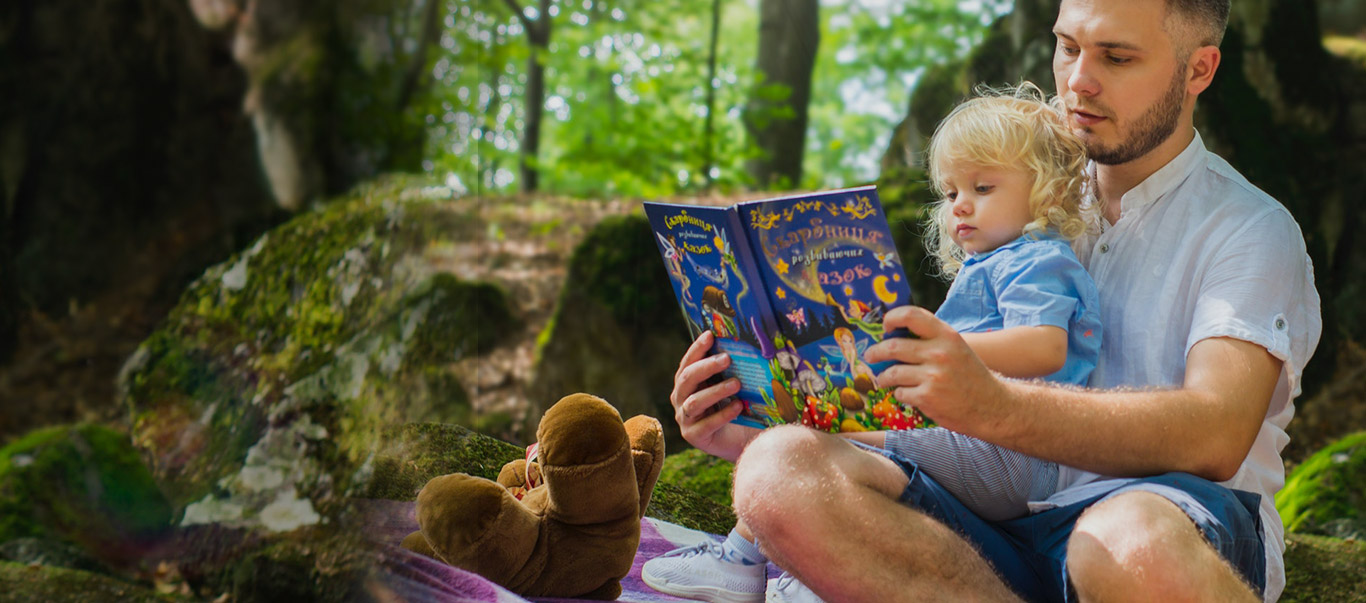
{"points": [[859, 315], [850, 351]]}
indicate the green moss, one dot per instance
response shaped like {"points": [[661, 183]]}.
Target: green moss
{"points": [[83, 484], [1327, 492], [416, 453], [1319, 569], [700, 472], [22, 582], [617, 266], [461, 318], [690, 509], [322, 568]]}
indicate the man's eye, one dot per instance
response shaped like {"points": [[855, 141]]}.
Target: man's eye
{"points": [[1070, 51], [1120, 60]]}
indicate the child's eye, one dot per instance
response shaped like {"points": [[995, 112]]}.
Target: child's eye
{"points": [[951, 195], [983, 189]]}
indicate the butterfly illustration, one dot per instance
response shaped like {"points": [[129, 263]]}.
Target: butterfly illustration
{"points": [[797, 317], [884, 260]]}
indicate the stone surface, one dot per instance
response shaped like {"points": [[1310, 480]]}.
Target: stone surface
{"points": [[617, 331], [261, 398]]}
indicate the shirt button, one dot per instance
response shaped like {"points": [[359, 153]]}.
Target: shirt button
{"points": [[1280, 324], [1105, 248]]}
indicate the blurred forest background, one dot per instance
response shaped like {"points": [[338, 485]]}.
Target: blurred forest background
{"points": [[143, 141], [251, 239]]}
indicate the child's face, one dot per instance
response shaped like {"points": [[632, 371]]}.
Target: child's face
{"points": [[989, 206]]}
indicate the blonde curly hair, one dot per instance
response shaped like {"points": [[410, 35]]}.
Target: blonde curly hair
{"points": [[1014, 128]]}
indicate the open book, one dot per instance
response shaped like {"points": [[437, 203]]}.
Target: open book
{"points": [[794, 288]]}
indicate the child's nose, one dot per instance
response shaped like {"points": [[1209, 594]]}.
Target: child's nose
{"points": [[962, 206]]}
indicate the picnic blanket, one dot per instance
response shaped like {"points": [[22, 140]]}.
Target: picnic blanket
{"points": [[414, 577]]}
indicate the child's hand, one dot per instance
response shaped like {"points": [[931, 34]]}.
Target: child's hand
{"points": [[702, 417], [937, 372]]}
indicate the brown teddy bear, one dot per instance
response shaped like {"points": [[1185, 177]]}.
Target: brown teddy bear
{"points": [[567, 524]]}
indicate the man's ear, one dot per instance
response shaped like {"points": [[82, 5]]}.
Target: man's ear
{"points": [[1201, 67]]}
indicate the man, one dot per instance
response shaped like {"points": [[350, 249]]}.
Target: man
{"points": [[1208, 305]]}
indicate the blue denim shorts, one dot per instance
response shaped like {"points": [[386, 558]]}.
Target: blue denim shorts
{"points": [[1030, 552]]}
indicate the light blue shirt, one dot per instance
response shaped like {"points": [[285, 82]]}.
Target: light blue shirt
{"points": [[1032, 281]]}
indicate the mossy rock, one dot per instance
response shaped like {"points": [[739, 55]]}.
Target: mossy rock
{"points": [[702, 473], [323, 567], [1326, 494], [22, 582], [1319, 569], [418, 452], [264, 392], [83, 484], [617, 331]]}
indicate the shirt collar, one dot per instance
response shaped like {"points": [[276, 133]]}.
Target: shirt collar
{"points": [[1037, 235], [1164, 180]]}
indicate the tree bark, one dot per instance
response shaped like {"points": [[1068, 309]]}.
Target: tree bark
{"points": [[789, 33], [708, 158], [538, 37]]}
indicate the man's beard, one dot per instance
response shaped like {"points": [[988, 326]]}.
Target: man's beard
{"points": [[1150, 129]]}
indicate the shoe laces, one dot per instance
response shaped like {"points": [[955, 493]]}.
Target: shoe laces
{"points": [[784, 580], [707, 547]]}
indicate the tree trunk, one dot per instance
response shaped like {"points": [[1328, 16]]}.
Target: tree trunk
{"points": [[708, 158], [538, 37], [789, 33]]}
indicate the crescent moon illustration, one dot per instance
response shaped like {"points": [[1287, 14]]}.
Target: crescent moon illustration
{"points": [[880, 290]]}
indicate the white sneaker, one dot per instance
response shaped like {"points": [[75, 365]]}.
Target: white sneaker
{"points": [[699, 572], [786, 589]]}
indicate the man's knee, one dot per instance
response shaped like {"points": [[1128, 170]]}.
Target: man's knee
{"points": [[1137, 543], [781, 472]]}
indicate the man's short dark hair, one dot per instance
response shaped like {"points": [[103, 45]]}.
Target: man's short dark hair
{"points": [[1207, 18]]}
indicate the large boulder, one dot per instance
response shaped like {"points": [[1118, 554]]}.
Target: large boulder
{"points": [[262, 398], [82, 485], [617, 330]]}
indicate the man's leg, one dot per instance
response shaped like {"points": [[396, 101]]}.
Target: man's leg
{"points": [[1139, 546], [829, 513]]}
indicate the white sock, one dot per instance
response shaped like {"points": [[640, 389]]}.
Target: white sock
{"points": [[737, 549]]}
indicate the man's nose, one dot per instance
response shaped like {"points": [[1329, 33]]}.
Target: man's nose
{"points": [[1082, 80]]}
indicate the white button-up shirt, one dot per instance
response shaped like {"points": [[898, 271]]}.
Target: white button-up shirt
{"points": [[1199, 252]]}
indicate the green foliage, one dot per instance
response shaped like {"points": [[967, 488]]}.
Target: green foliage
{"points": [[1327, 493], [626, 89]]}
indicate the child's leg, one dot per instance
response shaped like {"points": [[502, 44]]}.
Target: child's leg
{"points": [[732, 571], [996, 483], [740, 545]]}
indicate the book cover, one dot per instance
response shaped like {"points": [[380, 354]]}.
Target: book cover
{"points": [[794, 288]]}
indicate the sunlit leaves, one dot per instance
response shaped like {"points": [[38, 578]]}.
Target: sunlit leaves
{"points": [[626, 87]]}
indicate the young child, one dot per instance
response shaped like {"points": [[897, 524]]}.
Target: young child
{"points": [[1009, 174]]}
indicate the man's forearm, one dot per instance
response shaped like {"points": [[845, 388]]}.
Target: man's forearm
{"points": [[1119, 433]]}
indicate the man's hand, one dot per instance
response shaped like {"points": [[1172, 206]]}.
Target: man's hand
{"points": [[937, 373], [702, 424]]}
